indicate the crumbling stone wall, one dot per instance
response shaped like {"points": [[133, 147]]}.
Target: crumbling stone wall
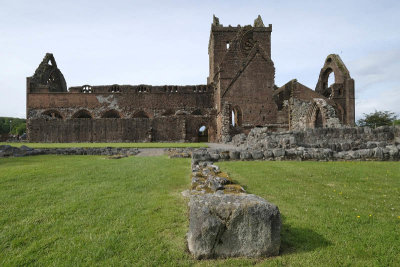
{"points": [[155, 115], [304, 114], [116, 130], [336, 139], [342, 91]]}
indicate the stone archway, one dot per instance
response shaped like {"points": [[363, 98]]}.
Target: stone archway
{"points": [[316, 116], [111, 114], [321, 114], [140, 114], [82, 114]]}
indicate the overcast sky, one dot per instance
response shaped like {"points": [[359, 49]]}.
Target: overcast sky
{"points": [[165, 42]]}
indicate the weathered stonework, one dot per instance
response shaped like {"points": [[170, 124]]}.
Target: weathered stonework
{"points": [[224, 221], [240, 94], [23, 151]]}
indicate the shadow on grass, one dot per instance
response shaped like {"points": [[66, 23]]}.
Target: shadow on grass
{"points": [[299, 239]]}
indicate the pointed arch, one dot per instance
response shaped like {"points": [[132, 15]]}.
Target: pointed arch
{"points": [[111, 114], [82, 114], [140, 114], [335, 66], [316, 116], [326, 90]]}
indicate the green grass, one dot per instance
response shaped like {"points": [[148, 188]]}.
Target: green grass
{"points": [[320, 203], [138, 145], [88, 210]]}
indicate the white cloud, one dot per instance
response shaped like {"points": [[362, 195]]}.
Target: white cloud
{"points": [[387, 99], [376, 67]]}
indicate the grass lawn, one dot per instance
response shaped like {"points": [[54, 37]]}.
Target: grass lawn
{"points": [[88, 210], [138, 145], [334, 213]]}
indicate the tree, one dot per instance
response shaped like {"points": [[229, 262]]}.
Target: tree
{"points": [[17, 126], [378, 118], [20, 129]]}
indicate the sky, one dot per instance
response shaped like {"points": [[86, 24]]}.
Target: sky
{"points": [[166, 42]]}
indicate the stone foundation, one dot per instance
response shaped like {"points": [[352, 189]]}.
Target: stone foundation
{"points": [[224, 221], [10, 151]]}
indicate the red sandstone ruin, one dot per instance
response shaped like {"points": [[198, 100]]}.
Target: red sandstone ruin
{"points": [[240, 94]]}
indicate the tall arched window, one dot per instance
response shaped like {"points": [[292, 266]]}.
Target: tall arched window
{"points": [[236, 116], [328, 80]]}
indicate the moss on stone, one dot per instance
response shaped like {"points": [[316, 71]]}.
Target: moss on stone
{"points": [[233, 189]]}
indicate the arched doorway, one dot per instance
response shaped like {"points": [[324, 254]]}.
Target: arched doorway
{"points": [[318, 119], [316, 115], [203, 134]]}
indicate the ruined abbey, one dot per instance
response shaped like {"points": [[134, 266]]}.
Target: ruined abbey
{"points": [[240, 94]]}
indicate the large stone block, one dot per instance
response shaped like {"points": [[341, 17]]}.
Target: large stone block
{"points": [[233, 225]]}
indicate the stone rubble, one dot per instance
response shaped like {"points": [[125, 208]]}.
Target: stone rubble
{"points": [[179, 152], [224, 221], [336, 139], [10, 151], [323, 144]]}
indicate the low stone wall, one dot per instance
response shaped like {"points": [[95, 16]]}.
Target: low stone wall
{"points": [[336, 139], [179, 152], [10, 151], [374, 152], [224, 221]]}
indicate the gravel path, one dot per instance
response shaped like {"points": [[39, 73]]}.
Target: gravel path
{"points": [[150, 152], [221, 146]]}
